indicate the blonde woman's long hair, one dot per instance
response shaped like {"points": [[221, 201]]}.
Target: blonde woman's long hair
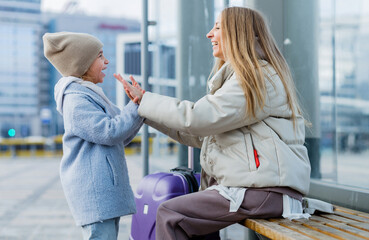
{"points": [[246, 40]]}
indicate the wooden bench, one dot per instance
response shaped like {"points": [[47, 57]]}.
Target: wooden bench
{"points": [[344, 223]]}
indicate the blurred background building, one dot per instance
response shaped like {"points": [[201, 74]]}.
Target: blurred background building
{"points": [[23, 75], [26, 95]]}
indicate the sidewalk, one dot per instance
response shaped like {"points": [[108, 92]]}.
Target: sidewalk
{"points": [[33, 207]]}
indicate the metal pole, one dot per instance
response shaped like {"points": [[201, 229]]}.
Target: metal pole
{"points": [[145, 84], [193, 57], [334, 96]]}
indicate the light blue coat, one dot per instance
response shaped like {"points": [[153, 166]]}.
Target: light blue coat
{"points": [[93, 169]]}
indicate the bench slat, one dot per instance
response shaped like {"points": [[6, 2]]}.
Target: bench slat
{"points": [[342, 224], [297, 226], [350, 222], [351, 211], [330, 231], [273, 230], [338, 218], [351, 216], [350, 229], [362, 226]]}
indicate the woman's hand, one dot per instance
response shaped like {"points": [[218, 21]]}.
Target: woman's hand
{"points": [[133, 91]]}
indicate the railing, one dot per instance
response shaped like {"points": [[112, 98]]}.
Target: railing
{"points": [[52, 146]]}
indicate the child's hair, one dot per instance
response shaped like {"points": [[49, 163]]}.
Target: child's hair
{"points": [[247, 40]]}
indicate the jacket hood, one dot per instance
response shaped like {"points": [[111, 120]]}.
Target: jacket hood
{"points": [[59, 90]]}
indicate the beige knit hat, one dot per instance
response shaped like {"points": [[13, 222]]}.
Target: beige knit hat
{"points": [[71, 53]]}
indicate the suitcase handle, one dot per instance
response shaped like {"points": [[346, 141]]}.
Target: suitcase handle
{"points": [[189, 175], [190, 157]]}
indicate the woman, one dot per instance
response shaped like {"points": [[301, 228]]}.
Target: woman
{"points": [[249, 127], [93, 170]]}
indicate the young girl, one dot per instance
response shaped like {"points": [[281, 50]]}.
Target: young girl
{"points": [[249, 128], [93, 169]]}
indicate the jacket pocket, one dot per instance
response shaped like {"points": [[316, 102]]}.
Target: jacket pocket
{"points": [[112, 172], [251, 153]]}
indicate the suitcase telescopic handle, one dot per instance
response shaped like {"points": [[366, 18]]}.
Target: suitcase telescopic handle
{"points": [[190, 157]]}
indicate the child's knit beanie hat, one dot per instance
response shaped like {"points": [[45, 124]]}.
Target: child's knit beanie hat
{"points": [[71, 53]]}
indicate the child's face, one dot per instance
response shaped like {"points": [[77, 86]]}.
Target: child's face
{"points": [[95, 71]]}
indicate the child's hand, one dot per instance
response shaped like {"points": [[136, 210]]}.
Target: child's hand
{"points": [[134, 91], [136, 85]]}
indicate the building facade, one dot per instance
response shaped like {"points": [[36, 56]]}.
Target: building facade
{"points": [[21, 93], [27, 79]]}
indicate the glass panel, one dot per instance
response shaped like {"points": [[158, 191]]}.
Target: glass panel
{"points": [[344, 82]]}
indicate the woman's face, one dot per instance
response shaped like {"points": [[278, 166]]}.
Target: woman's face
{"points": [[215, 35], [95, 73]]}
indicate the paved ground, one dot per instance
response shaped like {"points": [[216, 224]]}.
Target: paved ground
{"points": [[33, 207]]}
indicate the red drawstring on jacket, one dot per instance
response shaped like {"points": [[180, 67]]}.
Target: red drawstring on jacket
{"points": [[257, 162]]}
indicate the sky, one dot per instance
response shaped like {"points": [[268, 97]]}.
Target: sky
{"points": [[162, 11], [109, 8]]}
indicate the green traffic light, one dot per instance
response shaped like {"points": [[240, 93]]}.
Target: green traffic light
{"points": [[11, 132]]}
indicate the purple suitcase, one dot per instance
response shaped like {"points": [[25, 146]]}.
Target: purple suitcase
{"points": [[154, 189]]}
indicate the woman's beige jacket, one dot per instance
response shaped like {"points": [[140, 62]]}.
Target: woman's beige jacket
{"points": [[227, 135]]}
